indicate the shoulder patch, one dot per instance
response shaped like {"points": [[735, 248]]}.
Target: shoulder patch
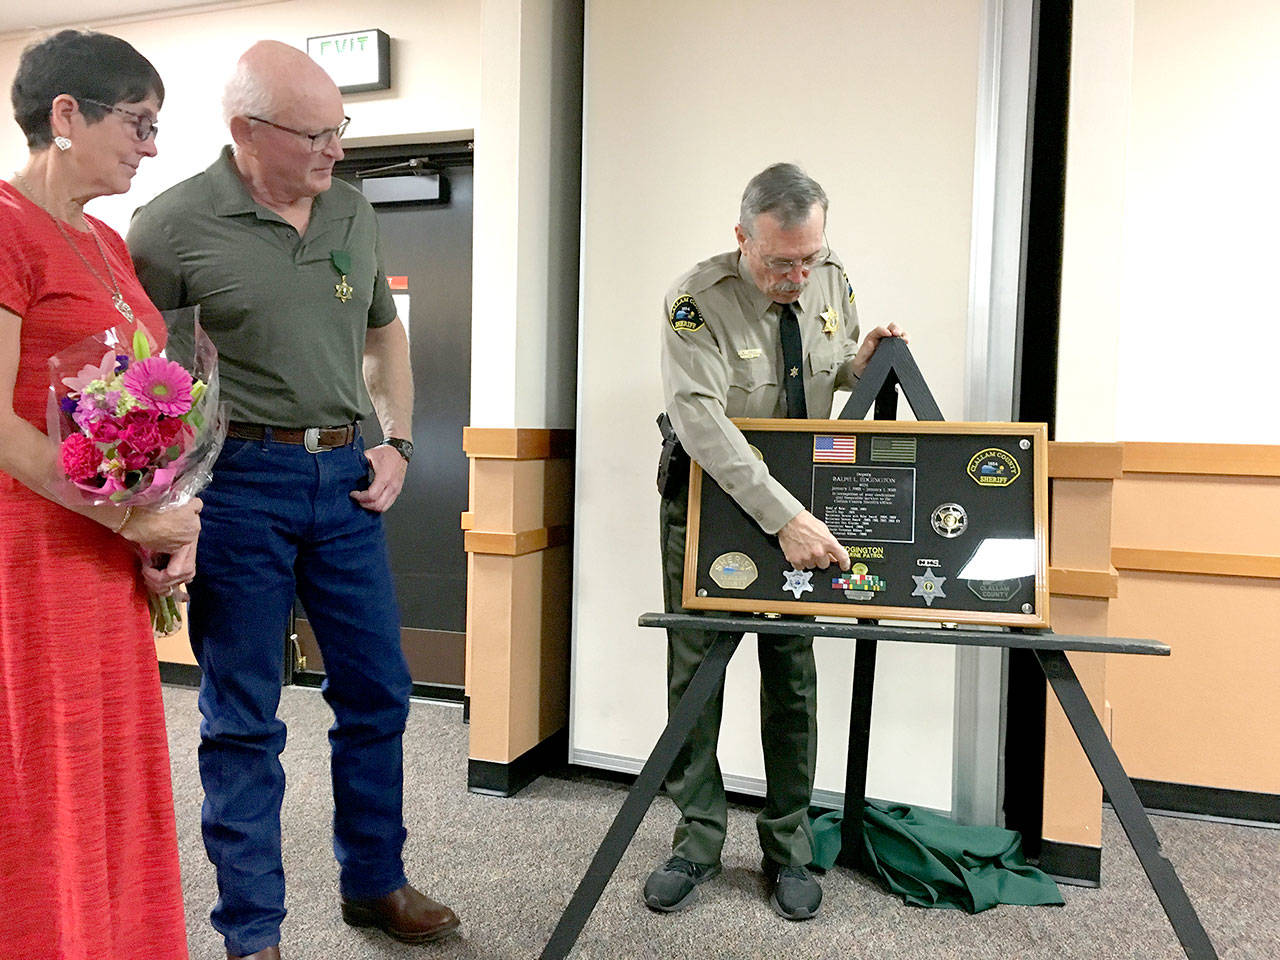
{"points": [[848, 287], [685, 315]]}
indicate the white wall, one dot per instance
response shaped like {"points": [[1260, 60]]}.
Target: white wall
{"points": [[435, 75], [1201, 245], [1171, 244], [684, 103], [1093, 317], [527, 214]]}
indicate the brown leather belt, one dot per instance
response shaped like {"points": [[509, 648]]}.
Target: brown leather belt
{"points": [[314, 439]]}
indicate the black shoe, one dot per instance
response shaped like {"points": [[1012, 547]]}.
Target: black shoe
{"points": [[672, 886], [794, 892]]}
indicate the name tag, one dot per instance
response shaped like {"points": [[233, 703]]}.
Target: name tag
{"points": [[750, 353]]}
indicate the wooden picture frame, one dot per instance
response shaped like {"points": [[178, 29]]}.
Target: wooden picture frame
{"points": [[916, 503]]}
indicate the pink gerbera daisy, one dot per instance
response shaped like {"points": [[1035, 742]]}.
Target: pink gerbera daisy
{"points": [[159, 385]]}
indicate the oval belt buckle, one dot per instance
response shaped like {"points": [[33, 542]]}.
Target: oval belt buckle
{"points": [[311, 440]]}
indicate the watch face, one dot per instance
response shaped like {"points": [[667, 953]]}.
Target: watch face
{"points": [[402, 447]]}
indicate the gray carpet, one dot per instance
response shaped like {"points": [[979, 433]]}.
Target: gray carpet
{"points": [[509, 867]]}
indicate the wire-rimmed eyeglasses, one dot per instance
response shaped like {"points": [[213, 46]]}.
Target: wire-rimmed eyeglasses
{"points": [[319, 141], [778, 265]]}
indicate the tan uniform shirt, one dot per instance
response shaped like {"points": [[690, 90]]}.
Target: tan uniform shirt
{"points": [[721, 358]]}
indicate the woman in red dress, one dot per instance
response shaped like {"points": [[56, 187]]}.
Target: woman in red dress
{"points": [[88, 852]]}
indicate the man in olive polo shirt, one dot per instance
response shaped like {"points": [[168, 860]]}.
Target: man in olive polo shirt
{"points": [[768, 329], [283, 261]]}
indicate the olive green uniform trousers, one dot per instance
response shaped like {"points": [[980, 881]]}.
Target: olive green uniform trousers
{"points": [[788, 720]]}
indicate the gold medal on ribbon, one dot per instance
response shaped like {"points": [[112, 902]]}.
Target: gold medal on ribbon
{"points": [[342, 263]]}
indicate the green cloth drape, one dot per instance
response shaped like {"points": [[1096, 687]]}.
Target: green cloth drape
{"points": [[933, 862]]}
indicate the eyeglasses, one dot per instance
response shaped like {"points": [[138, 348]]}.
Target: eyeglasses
{"points": [[319, 141], [778, 265], [144, 125]]}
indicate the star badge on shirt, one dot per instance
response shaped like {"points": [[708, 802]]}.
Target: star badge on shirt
{"points": [[793, 372], [830, 321], [343, 290]]}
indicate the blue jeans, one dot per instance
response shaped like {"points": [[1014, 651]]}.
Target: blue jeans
{"points": [[277, 521]]}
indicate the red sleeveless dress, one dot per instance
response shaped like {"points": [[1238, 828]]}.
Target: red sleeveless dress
{"points": [[88, 847]]}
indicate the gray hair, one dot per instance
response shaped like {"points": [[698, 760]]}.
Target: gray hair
{"points": [[783, 190], [246, 95]]}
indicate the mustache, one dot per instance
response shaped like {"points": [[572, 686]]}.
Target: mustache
{"points": [[788, 287]]}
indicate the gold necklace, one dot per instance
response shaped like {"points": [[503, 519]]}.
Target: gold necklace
{"points": [[117, 298]]}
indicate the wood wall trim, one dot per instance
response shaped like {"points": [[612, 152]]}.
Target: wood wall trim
{"points": [[1100, 461], [1188, 561], [467, 519], [1085, 461], [516, 544], [1074, 582], [517, 443], [1203, 459]]}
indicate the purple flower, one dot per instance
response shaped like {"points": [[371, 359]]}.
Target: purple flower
{"points": [[86, 415]]}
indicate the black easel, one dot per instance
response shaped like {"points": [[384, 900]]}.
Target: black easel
{"points": [[891, 366]]}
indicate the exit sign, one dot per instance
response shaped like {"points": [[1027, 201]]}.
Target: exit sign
{"points": [[357, 61]]}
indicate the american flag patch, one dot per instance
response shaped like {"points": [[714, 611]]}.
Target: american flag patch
{"points": [[828, 449], [893, 449]]}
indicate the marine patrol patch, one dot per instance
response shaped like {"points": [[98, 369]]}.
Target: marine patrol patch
{"points": [[857, 552], [848, 287], [685, 315]]}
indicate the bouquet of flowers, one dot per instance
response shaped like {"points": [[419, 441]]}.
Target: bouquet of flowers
{"points": [[138, 426]]}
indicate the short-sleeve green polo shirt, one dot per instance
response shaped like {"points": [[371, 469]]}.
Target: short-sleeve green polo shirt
{"points": [[290, 349]]}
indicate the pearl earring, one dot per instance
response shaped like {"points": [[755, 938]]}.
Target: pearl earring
{"points": [[62, 143]]}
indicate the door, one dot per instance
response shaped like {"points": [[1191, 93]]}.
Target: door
{"points": [[426, 251]]}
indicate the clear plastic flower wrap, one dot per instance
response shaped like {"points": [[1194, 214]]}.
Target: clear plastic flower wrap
{"points": [[136, 425]]}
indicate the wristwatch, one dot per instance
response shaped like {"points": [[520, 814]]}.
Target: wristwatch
{"points": [[401, 446]]}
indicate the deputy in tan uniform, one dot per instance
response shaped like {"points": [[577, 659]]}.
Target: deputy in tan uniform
{"points": [[767, 330]]}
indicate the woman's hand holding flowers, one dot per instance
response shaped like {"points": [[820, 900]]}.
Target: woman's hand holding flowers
{"points": [[164, 530], [169, 580]]}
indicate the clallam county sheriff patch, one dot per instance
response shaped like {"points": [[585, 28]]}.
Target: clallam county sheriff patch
{"points": [[684, 315]]}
